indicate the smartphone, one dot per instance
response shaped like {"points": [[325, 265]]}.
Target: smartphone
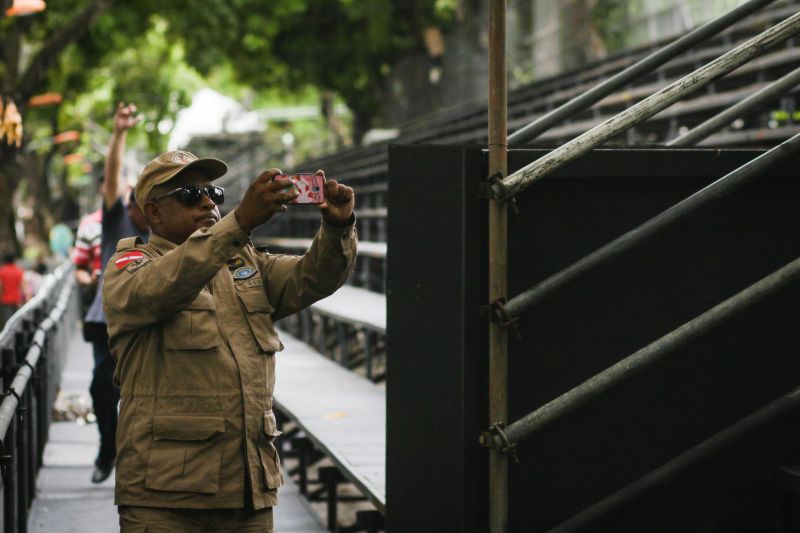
{"points": [[310, 186]]}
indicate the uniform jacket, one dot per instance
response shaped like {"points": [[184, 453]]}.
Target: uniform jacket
{"points": [[191, 329]]}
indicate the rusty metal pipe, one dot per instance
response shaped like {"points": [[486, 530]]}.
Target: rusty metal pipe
{"points": [[498, 268]]}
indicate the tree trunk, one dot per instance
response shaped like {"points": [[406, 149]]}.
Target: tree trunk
{"points": [[336, 137], [39, 197], [10, 173], [362, 123]]}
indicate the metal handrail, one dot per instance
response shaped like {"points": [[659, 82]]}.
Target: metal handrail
{"points": [[35, 302], [647, 356], [506, 188], [754, 101], [664, 474], [725, 185], [9, 404], [641, 67], [31, 350]]}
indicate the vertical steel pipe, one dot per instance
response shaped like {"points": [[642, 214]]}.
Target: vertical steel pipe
{"points": [[648, 107], [498, 269], [641, 67], [752, 102]]}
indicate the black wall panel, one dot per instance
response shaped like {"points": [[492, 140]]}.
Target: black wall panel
{"points": [[437, 267]]}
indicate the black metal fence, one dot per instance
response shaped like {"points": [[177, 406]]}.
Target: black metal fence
{"points": [[32, 351]]}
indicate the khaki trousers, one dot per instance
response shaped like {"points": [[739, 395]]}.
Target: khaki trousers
{"points": [[160, 520]]}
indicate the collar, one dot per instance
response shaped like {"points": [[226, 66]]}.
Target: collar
{"points": [[160, 244]]}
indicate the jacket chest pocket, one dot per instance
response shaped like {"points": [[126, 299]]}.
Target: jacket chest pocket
{"points": [[194, 328], [186, 454], [259, 319]]}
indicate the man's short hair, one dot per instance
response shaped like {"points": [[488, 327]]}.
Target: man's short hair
{"points": [[9, 258]]}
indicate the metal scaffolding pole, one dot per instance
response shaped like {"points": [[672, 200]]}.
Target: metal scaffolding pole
{"points": [[645, 109], [754, 101], [649, 355], [498, 268], [722, 186], [643, 66]]}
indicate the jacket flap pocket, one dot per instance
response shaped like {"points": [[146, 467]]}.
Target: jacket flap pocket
{"points": [[192, 330], [271, 425], [256, 301], [204, 300], [181, 427]]}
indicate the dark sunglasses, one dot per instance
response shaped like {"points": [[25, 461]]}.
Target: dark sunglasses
{"points": [[191, 195]]}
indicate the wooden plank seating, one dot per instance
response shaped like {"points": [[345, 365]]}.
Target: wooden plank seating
{"points": [[341, 414], [348, 327], [370, 264], [356, 306]]}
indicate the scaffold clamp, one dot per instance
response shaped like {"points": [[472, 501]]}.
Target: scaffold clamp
{"points": [[496, 438], [500, 314]]}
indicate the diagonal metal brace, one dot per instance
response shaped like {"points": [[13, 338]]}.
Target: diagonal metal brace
{"points": [[496, 438]]}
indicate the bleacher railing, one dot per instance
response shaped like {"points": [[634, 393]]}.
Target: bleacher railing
{"points": [[33, 346], [501, 189]]}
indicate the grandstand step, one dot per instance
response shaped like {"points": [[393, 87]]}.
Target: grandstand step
{"points": [[365, 248], [344, 415], [355, 306]]}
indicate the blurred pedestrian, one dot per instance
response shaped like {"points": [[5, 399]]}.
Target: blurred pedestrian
{"points": [[10, 288], [121, 218], [190, 317], [86, 257], [33, 279]]}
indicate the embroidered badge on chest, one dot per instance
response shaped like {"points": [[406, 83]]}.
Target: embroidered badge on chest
{"points": [[244, 273]]}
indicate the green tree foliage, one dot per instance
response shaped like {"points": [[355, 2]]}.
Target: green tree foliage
{"points": [[97, 52]]}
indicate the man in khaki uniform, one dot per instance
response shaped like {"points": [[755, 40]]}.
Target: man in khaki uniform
{"points": [[190, 319]]}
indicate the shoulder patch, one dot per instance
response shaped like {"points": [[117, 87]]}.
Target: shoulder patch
{"points": [[136, 265], [129, 257]]}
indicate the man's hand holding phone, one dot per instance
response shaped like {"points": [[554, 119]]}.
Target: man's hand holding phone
{"points": [[267, 195], [340, 200], [336, 201], [272, 190]]}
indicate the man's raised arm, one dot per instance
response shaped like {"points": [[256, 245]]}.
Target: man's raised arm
{"points": [[124, 119]]}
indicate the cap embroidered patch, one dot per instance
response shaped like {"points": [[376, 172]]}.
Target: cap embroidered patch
{"points": [[244, 273], [182, 157], [128, 257]]}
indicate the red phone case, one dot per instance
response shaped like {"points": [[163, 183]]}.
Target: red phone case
{"points": [[310, 186]]}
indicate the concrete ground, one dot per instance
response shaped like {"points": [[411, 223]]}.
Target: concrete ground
{"points": [[66, 500]]}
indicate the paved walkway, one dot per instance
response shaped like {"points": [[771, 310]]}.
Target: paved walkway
{"points": [[67, 502]]}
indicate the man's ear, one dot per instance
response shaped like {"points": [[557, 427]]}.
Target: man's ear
{"points": [[152, 213]]}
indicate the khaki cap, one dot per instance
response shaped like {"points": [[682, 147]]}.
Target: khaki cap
{"points": [[168, 165]]}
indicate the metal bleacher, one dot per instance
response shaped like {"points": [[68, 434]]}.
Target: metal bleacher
{"points": [[330, 384]]}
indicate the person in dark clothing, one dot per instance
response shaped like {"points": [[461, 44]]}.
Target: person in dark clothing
{"points": [[119, 220]]}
